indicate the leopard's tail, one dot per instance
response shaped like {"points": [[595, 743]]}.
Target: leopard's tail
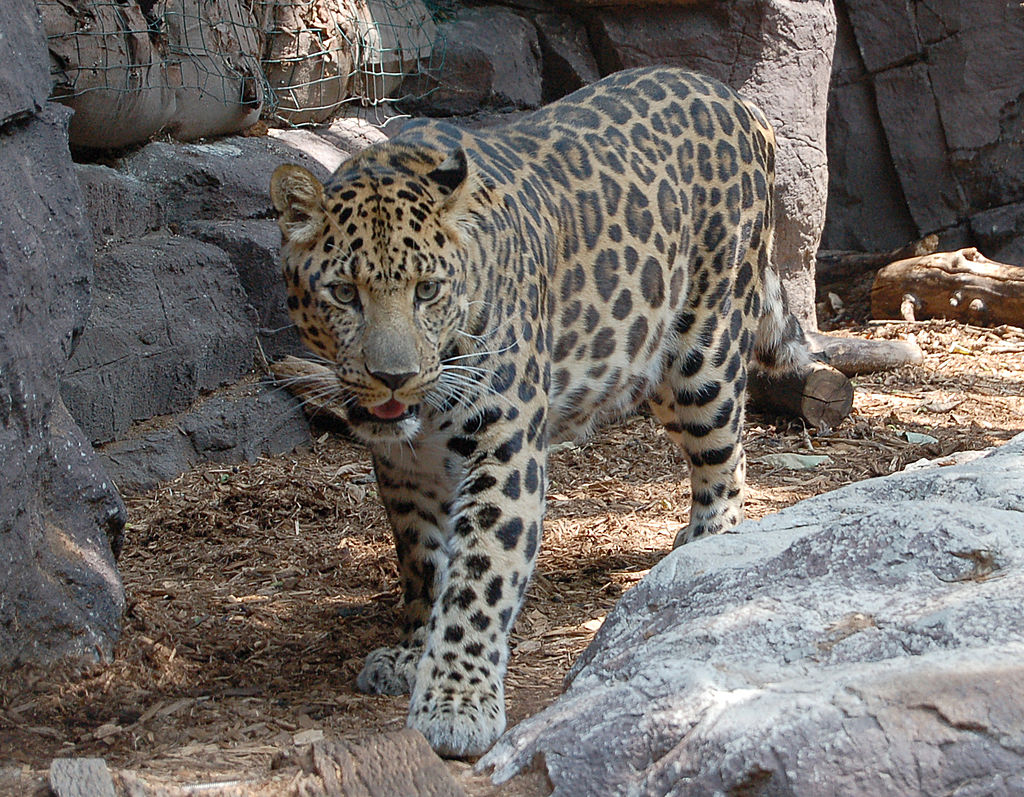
{"points": [[781, 345]]}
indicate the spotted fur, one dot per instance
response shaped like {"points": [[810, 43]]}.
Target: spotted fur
{"points": [[481, 295]]}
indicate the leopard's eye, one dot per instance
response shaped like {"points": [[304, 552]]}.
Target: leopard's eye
{"points": [[344, 292], [427, 290]]}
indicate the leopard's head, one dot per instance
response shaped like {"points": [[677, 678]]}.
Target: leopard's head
{"points": [[375, 267]]}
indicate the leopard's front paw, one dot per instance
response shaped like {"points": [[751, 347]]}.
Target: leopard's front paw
{"points": [[459, 722], [713, 523], [694, 531], [389, 671]]}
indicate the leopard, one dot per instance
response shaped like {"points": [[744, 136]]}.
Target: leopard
{"points": [[479, 294]]}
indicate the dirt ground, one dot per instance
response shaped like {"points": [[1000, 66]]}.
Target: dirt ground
{"points": [[255, 591]]}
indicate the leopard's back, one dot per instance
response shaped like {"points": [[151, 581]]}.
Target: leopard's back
{"points": [[625, 204]]}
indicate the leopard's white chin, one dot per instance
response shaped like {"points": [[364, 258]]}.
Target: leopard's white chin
{"points": [[372, 432]]}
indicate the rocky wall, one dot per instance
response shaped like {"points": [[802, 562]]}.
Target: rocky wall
{"points": [[926, 126], [61, 520], [188, 304]]}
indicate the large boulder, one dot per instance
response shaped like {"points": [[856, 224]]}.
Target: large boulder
{"points": [[568, 62], [188, 302], [235, 424], [59, 515], [224, 179], [491, 61], [169, 322], [866, 641], [866, 207], [252, 246]]}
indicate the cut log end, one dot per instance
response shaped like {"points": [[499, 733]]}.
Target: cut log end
{"points": [[817, 393]]}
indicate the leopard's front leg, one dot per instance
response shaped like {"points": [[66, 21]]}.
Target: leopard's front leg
{"points": [[458, 701], [417, 496]]}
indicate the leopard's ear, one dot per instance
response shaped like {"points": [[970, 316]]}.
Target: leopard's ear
{"points": [[299, 199], [460, 185], [452, 174]]}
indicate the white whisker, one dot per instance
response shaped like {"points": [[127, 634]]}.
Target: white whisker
{"points": [[458, 357]]}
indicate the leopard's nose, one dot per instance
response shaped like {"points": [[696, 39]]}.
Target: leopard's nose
{"points": [[393, 380]]}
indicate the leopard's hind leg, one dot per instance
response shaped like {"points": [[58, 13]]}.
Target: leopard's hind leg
{"points": [[700, 401], [702, 396]]}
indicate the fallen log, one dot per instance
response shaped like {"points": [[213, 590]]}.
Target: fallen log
{"points": [[835, 267], [853, 356], [960, 286]]}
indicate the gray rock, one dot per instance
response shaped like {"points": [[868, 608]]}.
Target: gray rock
{"points": [[361, 128], [866, 208], [236, 424], [867, 641], [980, 66], [254, 248], [568, 63], [491, 60], [1000, 233], [24, 68], [949, 83], [119, 206], [224, 179], [169, 320], [886, 33], [327, 153], [59, 515], [918, 146], [740, 44], [176, 316]]}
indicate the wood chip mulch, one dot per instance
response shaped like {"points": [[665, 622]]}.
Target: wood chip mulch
{"points": [[255, 591]]}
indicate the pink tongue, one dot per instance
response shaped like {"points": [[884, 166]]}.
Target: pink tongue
{"points": [[389, 410]]}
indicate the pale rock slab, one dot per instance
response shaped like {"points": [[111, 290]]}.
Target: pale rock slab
{"points": [[866, 641]]}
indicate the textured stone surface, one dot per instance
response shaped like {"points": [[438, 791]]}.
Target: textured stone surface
{"points": [[568, 63], [947, 82], [24, 67], [59, 515], [1000, 233], [252, 246], [918, 148], [236, 424], [491, 60], [119, 206], [866, 207], [224, 179], [867, 641], [177, 314], [169, 321]]}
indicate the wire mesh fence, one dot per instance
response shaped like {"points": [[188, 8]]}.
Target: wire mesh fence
{"points": [[215, 65]]}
